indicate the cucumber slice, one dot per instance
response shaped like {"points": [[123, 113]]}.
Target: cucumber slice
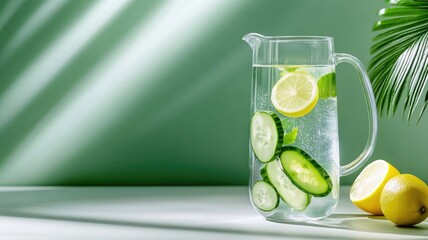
{"points": [[264, 196], [305, 172], [266, 135], [272, 173]]}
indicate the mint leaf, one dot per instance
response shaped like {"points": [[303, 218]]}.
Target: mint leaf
{"points": [[327, 85], [290, 137], [287, 70]]}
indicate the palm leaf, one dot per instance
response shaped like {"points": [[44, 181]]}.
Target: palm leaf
{"points": [[399, 67]]}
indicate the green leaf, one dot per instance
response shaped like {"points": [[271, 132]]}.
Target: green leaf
{"points": [[290, 137], [392, 22], [287, 70], [399, 68], [400, 11], [397, 40], [411, 68], [327, 85], [409, 3], [401, 35], [415, 25], [424, 107]]}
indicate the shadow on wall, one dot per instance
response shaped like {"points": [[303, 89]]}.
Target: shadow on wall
{"points": [[156, 92]]}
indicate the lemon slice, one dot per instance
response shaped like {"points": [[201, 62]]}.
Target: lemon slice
{"points": [[295, 94], [367, 187]]}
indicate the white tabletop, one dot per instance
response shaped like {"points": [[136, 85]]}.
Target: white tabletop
{"points": [[172, 213]]}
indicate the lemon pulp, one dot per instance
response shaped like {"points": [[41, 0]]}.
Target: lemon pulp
{"points": [[295, 94], [367, 187]]}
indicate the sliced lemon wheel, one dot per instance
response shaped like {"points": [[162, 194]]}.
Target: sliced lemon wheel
{"points": [[367, 188], [295, 94]]}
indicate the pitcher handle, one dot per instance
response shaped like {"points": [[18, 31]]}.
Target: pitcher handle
{"points": [[371, 109]]}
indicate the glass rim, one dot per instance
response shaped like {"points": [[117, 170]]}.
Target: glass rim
{"points": [[297, 38]]}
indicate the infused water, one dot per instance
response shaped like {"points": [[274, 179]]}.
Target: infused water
{"points": [[317, 136]]}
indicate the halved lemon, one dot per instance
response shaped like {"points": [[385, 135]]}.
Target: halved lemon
{"points": [[295, 94], [367, 188]]}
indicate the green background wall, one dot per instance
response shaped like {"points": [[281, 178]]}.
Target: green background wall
{"points": [[158, 92]]}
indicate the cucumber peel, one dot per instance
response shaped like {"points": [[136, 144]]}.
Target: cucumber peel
{"points": [[264, 196], [289, 193], [306, 173], [266, 135]]}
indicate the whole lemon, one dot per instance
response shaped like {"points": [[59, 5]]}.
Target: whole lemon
{"points": [[404, 200]]}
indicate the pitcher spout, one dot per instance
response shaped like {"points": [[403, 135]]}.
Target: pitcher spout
{"points": [[253, 39]]}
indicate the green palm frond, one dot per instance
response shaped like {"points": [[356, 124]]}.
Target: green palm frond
{"points": [[399, 67]]}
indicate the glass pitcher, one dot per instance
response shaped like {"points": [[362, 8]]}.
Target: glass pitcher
{"points": [[294, 139]]}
